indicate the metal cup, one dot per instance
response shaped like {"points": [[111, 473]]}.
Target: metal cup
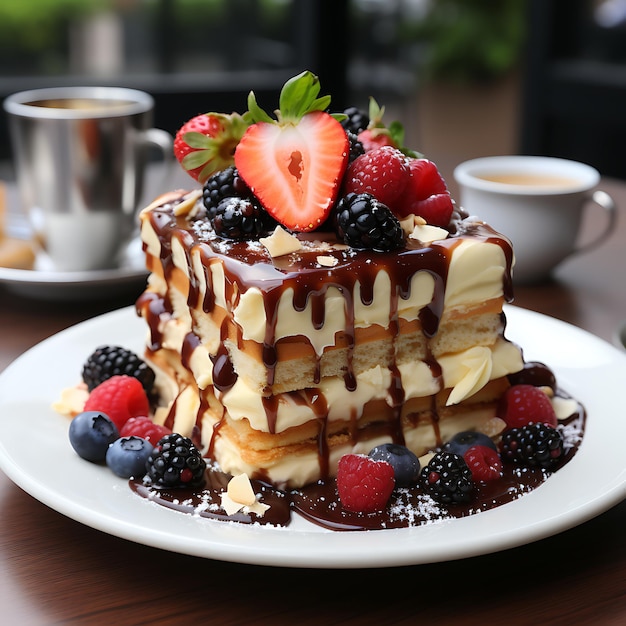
{"points": [[80, 157]]}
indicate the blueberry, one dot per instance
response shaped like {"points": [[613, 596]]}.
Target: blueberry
{"points": [[91, 433], [462, 442], [406, 466], [127, 456]]}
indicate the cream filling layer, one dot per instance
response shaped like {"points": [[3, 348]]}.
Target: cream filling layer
{"points": [[475, 275]]}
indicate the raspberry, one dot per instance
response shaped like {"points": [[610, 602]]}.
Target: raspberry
{"points": [[382, 172], [364, 484], [484, 463], [145, 428], [119, 397], [425, 194], [447, 479], [523, 404], [533, 445]]}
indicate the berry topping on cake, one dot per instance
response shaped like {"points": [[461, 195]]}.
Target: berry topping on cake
{"points": [[425, 194], [383, 173], [126, 457], [224, 184], [447, 479], [484, 463], [534, 445], [175, 462], [523, 404], [356, 147], [364, 484], [240, 218], [364, 223], [107, 361], [145, 428], [406, 466], [355, 121], [377, 134], [206, 143], [120, 397], [91, 433], [294, 164]]}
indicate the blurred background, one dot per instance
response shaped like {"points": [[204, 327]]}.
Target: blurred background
{"points": [[467, 78]]}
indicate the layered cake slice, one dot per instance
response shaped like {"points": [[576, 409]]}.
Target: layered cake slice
{"points": [[320, 294]]}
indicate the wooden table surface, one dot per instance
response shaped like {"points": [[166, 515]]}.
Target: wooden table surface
{"points": [[54, 570]]}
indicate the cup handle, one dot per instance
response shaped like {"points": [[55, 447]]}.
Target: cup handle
{"points": [[163, 171], [162, 140], [605, 201]]}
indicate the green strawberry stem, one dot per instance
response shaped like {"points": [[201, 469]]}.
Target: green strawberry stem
{"points": [[297, 98]]}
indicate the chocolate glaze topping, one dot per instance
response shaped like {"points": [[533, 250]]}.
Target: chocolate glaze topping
{"points": [[248, 265]]}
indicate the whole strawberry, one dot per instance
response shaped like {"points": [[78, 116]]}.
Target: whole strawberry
{"points": [[119, 397], [206, 143], [294, 164], [377, 134], [522, 404], [364, 484]]}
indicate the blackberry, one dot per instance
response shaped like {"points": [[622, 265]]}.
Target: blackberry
{"points": [[533, 445], [356, 147], [175, 462], [109, 361], [356, 121], [447, 479], [364, 223], [223, 184], [240, 218]]}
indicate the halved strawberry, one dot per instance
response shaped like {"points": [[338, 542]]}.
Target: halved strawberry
{"points": [[294, 165], [206, 143]]}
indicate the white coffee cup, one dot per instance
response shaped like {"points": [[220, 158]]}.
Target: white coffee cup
{"points": [[80, 159], [537, 202]]}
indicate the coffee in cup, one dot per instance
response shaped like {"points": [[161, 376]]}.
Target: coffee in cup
{"points": [[80, 159], [537, 202]]}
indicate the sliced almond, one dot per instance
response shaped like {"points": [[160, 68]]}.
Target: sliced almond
{"points": [[327, 261], [239, 494], [240, 490], [189, 202], [280, 242]]}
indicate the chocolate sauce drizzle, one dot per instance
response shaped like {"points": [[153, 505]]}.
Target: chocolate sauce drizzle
{"points": [[248, 266], [319, 502]]}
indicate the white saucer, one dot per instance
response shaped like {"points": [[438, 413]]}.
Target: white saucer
{"points": [[47, 284]]}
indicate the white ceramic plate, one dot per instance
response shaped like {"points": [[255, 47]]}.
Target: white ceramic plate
{"points": [[35, 453]]}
